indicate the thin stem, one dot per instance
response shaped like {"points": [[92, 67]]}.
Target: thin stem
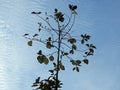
{"points": [[58, 53], [70, 27], [70, 58], [48, 24], [69, 20], [51, 53], [66, 45]]}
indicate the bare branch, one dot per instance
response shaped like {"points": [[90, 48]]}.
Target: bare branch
{"points": [[51, 53], [69, 20], [48, 24], [66, 45], [70, 26]]}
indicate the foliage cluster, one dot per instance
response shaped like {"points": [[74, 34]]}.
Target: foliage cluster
{"points": [[63, 46]]}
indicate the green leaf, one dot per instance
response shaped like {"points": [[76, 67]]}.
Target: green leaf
{"points": [[51, 71], [45, 59], [37, 80], [30, 43], [39, 29], [48, 45], [87, 45], [73, 68], [87, 37], [82, 41], [78, 62], [35, 35], [71, 52], [25, 34], [54, 64], [36, 12], [82, 35], [73, 62], [72, 7], [51, 58], [49, 39], [65, 53], [62, 67], [72, 40], [74, 47], [59, 16], [77, 69], [40, 52], [92, 46], [84, 38], [40, 59], [47, 18], [86, 61], [56, 10], [91, 50], [61, 19]]}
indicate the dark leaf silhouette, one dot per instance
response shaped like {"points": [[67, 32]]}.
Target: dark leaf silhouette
{"points": [[35, 35], [56, 10], [70, 6], [51, 58], [86, 61], [74, 7], [62, 67], [40, 52], [30, 43], [77, 69], [37, 80], [25, 34], [36, 12]]}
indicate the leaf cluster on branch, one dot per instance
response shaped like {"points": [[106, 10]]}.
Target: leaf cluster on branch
{"points": [[62, 44]]}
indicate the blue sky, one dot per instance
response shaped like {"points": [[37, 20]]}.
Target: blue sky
{"points": [[18, 64]]}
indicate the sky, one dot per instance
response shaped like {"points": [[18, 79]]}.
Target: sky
{"points": [[18, 65]]}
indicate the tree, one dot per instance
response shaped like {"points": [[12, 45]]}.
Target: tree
{"points": [[62, 43]]}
